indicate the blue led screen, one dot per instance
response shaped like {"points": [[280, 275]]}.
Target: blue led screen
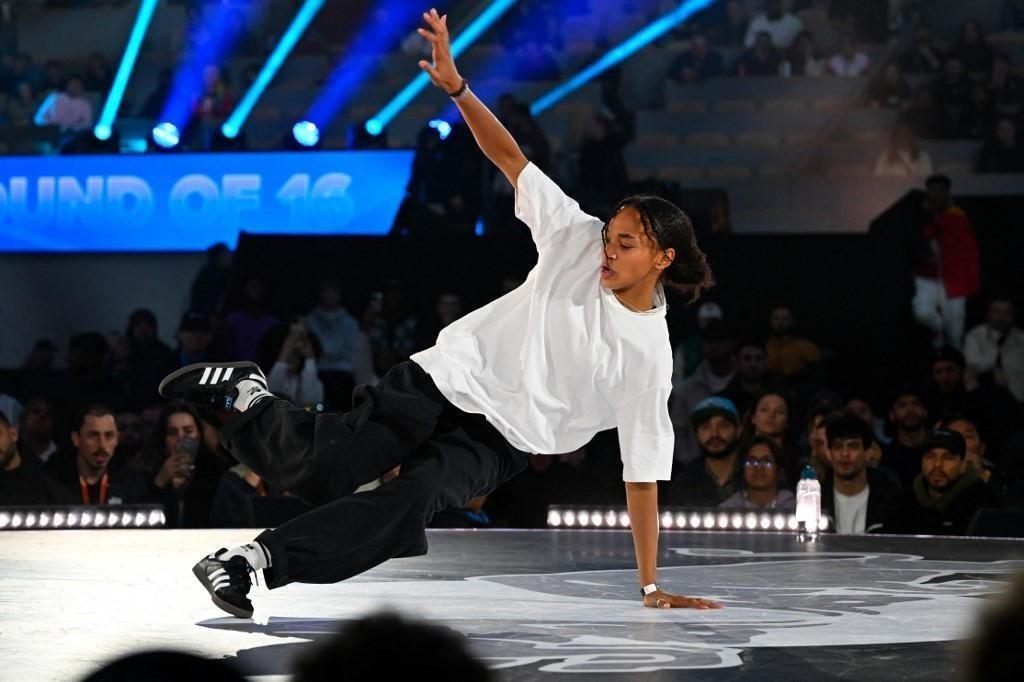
{"points": [[185, 202]]}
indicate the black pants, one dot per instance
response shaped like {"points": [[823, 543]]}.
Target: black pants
{"points": [[448, 457]]}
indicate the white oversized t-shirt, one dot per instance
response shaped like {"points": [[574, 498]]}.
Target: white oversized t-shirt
{"points": [[560, 358], [852, 512]]}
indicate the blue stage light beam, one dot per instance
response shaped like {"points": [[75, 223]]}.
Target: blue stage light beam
{"points": [[640, 39], [212, 36], [105, 125], [359, 62], [473, 31], [302, 19]]}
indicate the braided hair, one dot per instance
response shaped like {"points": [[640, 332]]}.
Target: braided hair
{"points": [[668, 227]]}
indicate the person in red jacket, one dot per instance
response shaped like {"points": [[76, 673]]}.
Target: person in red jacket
{"points": [[949, 269]]}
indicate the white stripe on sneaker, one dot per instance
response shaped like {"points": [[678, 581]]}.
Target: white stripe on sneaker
{"points": [[206, 375], [227, 374], [216, 375]]}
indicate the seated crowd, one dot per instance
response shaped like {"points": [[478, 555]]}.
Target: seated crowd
{"points": [[749, 413]]}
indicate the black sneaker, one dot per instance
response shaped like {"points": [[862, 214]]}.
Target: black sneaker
{"points": [[213, 384], [227, 582]]}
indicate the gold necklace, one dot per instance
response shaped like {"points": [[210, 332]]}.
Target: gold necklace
{"points": [[626, 303]]}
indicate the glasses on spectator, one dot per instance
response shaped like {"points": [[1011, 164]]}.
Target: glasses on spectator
{"points": [[759, 464]]}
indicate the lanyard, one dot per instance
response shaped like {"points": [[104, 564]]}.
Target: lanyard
{"points": [[85, 490]]}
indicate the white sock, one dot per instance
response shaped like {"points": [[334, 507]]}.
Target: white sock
{"points": [[255, 553], [250, 391]]}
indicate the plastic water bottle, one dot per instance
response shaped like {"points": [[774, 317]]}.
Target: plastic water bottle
{"points": [[808, 504]]}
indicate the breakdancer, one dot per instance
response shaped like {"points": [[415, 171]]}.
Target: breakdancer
{"points": [[582, 346]]}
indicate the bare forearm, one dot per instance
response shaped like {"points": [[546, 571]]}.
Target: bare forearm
{"points": [[494, 140], [642, 503]]}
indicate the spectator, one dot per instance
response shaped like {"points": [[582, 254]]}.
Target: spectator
{"points": [[859, 498], [603, 174], [22, 480], [849, 62], [698, 63], [36, 430], [98, 75], [409, 647], [987, 400], [11, 407], [771, 417], [923, 57], [689, 352], [817, 441], [149, 359], [247, 326], [993, 651], [69, 109], [447, 309], [977, 121], [908, 415], [952, 96], [730, 28], [165, 666], [390, 326], [213, 105], [994, 351], [344, 345], [780, 25], [713, 476], [892, 91], [760, 460], [131, 435], [861, 406], [803, 58], [712, 375], [1011, 16], [87, 379], [1005, 88], [53, 76], [233, 501], [750, 379], [786, 353], [92, 475], [194, 339], [973, 50], [948, 268], [210, 286], [904, 157], [976, 449], [293, 375], [1003, 152], [763, 59], [946, 494], [180, 471], [926, 120]]}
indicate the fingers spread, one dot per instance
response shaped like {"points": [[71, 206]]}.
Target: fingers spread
{"points": [[427, 34]]}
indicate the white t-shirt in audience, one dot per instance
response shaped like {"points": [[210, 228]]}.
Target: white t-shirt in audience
{"points": [[560, 358], [852, 512]]}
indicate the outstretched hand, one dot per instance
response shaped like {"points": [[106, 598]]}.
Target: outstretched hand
{"points": [[660, 599], [442, 73]]}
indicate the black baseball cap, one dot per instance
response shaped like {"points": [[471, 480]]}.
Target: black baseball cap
{"points": [[948, 440]]}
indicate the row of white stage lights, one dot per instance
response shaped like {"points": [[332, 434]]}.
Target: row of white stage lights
{"points": [[677, 519], [79, 518]]}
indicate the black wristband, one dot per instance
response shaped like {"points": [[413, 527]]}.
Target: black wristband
{"points": [[462, 89]]}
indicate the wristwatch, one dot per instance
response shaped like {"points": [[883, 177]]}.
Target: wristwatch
{"points": [[648, 589]]}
